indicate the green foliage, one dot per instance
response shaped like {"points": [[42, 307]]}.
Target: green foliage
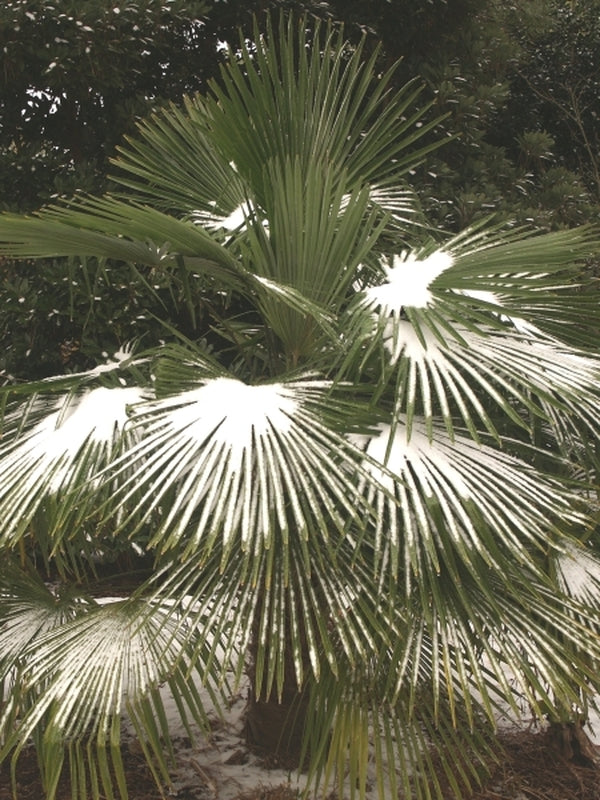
{"points": [[366, 458], [516, 72], [505, 74], [75, 77], [556, 85]]}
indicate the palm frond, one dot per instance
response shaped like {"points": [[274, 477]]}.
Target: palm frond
{"points": [[428, 703], [395, 748], [458, 501], [173, 164], [53, 450], [240, 463], [319, 104], [79, 679], [458, 351]]}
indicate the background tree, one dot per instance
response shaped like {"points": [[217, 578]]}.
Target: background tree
{"points": [[370, 481]]}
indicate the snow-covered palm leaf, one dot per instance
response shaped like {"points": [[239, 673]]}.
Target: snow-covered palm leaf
{"points": [[504, 640], [51, 452], [489, 373], [80, 680], [28, 609], [240, 463], [458, 656], [458, 502], [458, 351], [579, 573], [305, 603], [533, 278]]}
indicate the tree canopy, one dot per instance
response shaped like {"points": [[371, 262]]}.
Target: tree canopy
{"points": [[362, 485], [75, 78]]}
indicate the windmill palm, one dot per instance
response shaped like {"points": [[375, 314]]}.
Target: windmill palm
{"points": [[360, 486]]}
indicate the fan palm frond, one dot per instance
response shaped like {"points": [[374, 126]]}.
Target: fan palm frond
{"points": [[458, 350], [320, 104], [80, 675], [459, 501], [54, 450], [240, 462]]}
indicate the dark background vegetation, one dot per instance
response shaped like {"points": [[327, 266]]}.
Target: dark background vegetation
{"points": [[519, 81]]}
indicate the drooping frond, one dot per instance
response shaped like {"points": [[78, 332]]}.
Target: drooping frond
{"points": [[240, 463], [54, 451], [462, 353], [458, 502], [79, 678]]}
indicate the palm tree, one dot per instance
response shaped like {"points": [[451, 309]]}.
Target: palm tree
{"points": [[362, 484]]}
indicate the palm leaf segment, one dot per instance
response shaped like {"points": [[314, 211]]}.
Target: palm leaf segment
{"points": [[239, 462], [457, 350], [55, 450], [350, 455], [79, 669]]}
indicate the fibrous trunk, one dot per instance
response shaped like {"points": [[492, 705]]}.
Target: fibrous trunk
{"points": [[276, 719], [573, 744]]}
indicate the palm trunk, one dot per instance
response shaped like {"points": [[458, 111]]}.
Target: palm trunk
{"points": [[573, 744], [274, 725]]}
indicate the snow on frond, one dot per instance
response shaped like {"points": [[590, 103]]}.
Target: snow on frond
{"points": [[408, 282], [45, 456], [231, 411], [234, 221], [456, 495], [113, 362], [399, 203], [397, 453], [239, 460], [579, 574], [120, 359], [400, 338], [515, 370], [95, 415], [484, 296], [492, 299], [104, 663], [237, 218]]}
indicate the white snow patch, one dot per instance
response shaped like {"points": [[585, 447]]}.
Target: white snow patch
{"points": [[51, 447], [96, 415], [237, 218], [521, 325], [400, 337], [580, 575], [396, 453], [231, 410], [408, 282]]}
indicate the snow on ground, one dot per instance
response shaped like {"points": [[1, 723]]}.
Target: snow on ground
{"points": [[218, 765]]}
